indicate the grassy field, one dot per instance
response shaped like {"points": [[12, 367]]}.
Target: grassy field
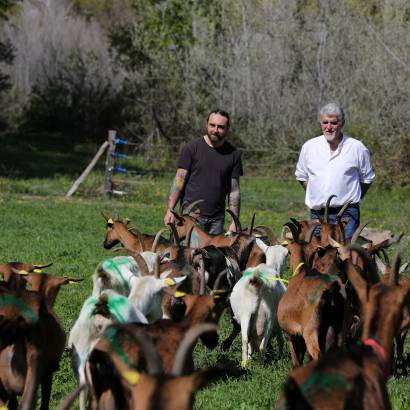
{"points": [[39, 225]]}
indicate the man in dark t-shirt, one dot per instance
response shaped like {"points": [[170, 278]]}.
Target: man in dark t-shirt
{"points": [[208, 168]]}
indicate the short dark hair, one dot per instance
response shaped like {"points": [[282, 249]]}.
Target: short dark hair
{"points": [[220, 112]]}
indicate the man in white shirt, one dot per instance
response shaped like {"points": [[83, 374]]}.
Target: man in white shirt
{"points": [[334, 164]]}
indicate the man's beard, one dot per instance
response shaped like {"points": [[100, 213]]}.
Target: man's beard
{"points": [[216, 138], [331, 137]]}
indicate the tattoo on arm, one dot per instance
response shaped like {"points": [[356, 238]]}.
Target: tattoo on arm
{"points": [[234, 197], [177, 187]]}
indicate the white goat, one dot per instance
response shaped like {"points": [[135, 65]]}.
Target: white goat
{"points": [[254, 301], [147, 292], [96, 314], [119, 272]]}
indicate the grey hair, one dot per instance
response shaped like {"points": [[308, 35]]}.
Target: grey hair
{"points": [[332, 109]]}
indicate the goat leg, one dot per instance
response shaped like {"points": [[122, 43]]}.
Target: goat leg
{"points": [[229, 340], [297, 348], [46, 381], [28, 400]]}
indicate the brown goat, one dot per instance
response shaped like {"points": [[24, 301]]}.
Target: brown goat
{"points": [[44, 339], [312, 310], [118, 232], [354, 378]]}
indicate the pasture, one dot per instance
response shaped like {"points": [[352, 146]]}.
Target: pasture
{"points": [[39, 226]]}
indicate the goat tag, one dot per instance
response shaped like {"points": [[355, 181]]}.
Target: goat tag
{"points": [[284, 243], [110, 222], [169, 282], [23, 272], [37, 271], [131, 377], [179, 294]]}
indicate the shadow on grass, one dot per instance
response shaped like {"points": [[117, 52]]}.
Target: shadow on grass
{"points": [[44, 155]]}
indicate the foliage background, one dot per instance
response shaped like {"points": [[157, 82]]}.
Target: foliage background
{"points": [[156, 67]]}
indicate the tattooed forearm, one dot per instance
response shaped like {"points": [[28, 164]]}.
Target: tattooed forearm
{"points": [[234, 197], [177, 187]]}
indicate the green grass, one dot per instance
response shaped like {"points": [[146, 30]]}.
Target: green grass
{"points": [[39, 225]]}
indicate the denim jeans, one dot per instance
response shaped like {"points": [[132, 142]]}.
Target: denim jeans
{"points": [[213, 226], [351, 212]]}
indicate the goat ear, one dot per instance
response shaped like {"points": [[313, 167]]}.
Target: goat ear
{"points": [[126, 221]]}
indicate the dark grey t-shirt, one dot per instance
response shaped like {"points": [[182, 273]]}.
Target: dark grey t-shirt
{"points": [[210, 171]]}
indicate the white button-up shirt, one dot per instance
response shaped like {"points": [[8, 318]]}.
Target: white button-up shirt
{"points": [[333, 173]]}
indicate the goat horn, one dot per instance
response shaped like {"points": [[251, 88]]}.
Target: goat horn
{"points": [[293, 230], [104, 216], [190, 207], [69, 399], [394, 274], [202, 284], [358, 231], [174, 234], [187, 343], [42, 266], [341, 212], [368, 263], [157, 264], [295, 221], [152, 358], [326, 216], [235, 219], [156, 239], [309, 233], [268, 232], [139, 236], [142, 264], [188, 236], [250, 229], [219, 278], [116, 215], [176, 214]]}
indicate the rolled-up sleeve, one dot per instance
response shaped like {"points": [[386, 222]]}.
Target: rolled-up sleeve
{"points": [[301, 166], [367, 174]]}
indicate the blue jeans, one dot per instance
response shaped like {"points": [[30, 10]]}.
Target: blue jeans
{"points": [[351, 212]]}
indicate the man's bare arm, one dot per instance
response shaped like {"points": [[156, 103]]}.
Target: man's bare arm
{"points": [[364, 188], [175, 193], [304, 184], [234, 200]]}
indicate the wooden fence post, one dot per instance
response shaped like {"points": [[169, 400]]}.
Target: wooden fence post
{"points": [[87, 171], [109, 164]]}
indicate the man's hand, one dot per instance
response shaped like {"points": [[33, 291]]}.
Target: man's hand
{"points": [[169, 217]]}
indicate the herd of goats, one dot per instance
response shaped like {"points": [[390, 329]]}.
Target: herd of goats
{"points": [[345, 305]]}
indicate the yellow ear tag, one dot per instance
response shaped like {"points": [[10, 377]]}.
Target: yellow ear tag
{"points": [[72, 282], [131, 377], [110, 221], [4, 408], [23, 272], [169, 282], [284, 243], [218, 291], [37, 271], [216, 296], [244, 363], [337, 245], [179, 294]]}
